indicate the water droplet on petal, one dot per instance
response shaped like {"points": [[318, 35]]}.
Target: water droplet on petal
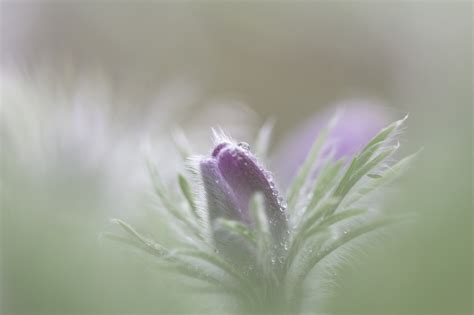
{"points": [[244, 145]]}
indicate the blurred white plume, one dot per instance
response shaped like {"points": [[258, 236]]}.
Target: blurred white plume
{"points": [[80, 128]]}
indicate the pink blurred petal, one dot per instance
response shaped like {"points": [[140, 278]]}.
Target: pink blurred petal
{"points": [[357, 123]]}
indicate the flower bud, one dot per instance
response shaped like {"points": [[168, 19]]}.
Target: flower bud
{"points": [[231, 176]]}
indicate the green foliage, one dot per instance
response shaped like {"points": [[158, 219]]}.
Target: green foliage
{"points": [[306, 169], [263, 139], [320, 224]]}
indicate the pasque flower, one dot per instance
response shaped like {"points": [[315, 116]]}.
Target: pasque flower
{"points": [[231, 176], [250, 242]]}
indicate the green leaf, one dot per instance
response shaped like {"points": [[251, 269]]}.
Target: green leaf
{"points": [[216, 261], [188, 194], [362, 159], [370, 165], [258, 214], [121, 239], [316, 255], [300, 235], [199, 273], [305, 170], [384, 177], [384, 134], [295, 275], [375, 176], [324, 182], [262, 233], [169, 205], [147, 244], [319, 214], [326, 207], [177, 263], [181, 142], [311, 230], [264, 137], [237, 228], [333, 219], [356, 172]]}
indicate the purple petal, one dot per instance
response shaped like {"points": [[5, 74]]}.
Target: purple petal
{"points": [[221, 200], [231, 177], [357, 124]]}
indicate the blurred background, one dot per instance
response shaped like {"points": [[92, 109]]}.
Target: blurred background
{"points": [[88, 84]]}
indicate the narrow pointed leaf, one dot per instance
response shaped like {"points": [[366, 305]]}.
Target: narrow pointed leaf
{"points": [[262, 232], [216, 261], [324, 182], [264, 136], [169, 205], [150, 246], [335, 218], [318, 255], [305, 170], [367, 152], [182, 143], [385, 133], [187, 193], [236, 228], [383, 178]]}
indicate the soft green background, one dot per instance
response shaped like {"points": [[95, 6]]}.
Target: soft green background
{"points": [[283, 59]]}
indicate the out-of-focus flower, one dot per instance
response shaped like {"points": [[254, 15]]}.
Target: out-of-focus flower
{"points": [[69, 130], [231, 176], [76, 125], [17, 22], [357, 123]]}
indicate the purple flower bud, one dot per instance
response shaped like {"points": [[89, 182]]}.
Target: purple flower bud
{"points": [[356, 125], [231, 176]]}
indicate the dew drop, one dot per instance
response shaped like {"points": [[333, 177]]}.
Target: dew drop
{"points": [[282, 202], [244, 145]]}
